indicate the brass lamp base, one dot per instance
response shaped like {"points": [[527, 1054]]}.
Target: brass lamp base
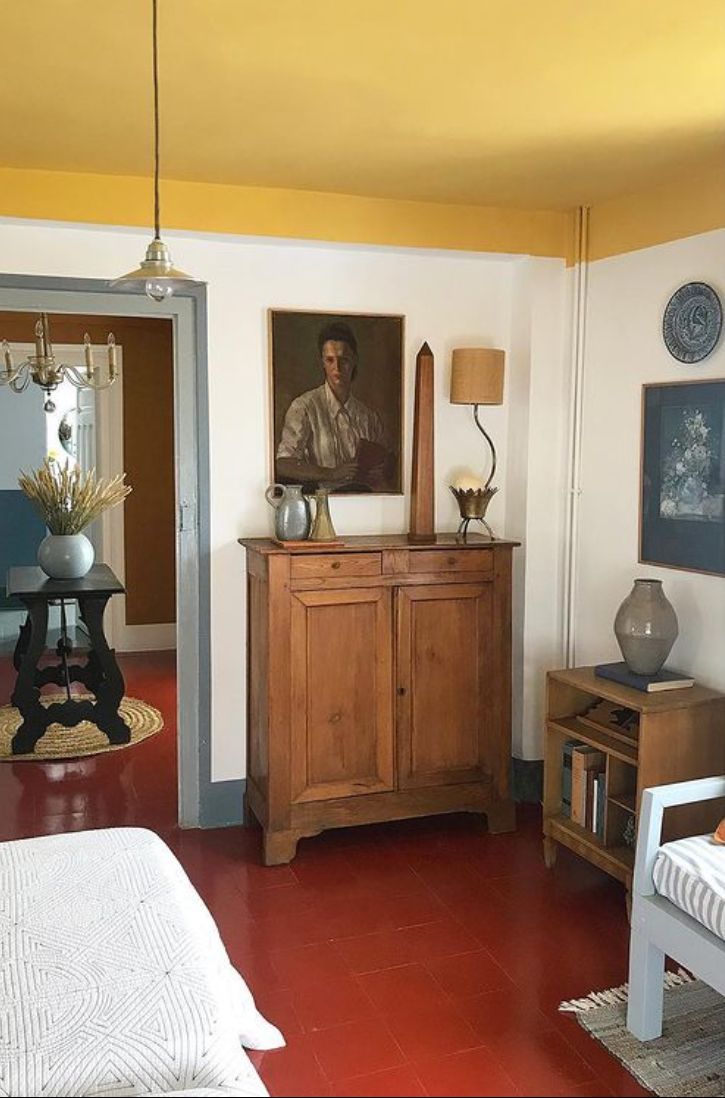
{"points": [[473, 504]]}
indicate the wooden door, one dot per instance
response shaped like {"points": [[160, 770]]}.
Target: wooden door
{"points": [[342, 693], [444, 683]]}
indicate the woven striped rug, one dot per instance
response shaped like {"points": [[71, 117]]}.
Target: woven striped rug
{"points": [[687, 1060]]}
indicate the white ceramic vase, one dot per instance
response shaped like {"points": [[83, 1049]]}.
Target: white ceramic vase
{"points": [[66, 556]]}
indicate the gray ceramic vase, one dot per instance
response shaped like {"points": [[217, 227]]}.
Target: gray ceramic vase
{"points": [[293, 517], [646, 627], [65, 556]]}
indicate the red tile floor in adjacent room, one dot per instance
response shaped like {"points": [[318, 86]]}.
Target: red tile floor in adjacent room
{"points": [[416, 958]]}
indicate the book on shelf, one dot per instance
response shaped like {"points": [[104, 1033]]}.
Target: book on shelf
{"points": [[566, 776], [586, 762], [662, 680], [607, 716], [600, 800]]}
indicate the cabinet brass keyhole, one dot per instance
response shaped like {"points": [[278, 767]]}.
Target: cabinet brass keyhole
{"points": [[335, 564], [401, 691]]}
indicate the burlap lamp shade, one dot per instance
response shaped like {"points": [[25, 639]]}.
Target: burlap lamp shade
{"points": [[477, 375]]}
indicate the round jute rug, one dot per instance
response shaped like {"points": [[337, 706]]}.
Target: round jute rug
{"points": [[85, 738]]}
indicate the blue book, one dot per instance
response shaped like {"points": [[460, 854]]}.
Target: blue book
{"points": [[662, 680]]}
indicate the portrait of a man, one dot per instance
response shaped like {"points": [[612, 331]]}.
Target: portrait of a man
{"points": [[337, 400]]}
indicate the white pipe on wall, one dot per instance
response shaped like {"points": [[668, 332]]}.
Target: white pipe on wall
{"points": [[579, 312]]}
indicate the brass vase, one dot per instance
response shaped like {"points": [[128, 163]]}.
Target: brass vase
{"points": [[322, 528]]}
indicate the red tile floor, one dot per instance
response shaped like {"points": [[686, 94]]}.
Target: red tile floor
{"points": [[417, 958]]}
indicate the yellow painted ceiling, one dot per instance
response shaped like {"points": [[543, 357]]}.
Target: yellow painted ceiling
{"points": [[539, 104]]}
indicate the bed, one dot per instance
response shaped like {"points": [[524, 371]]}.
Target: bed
{"points": [[113, 977]]}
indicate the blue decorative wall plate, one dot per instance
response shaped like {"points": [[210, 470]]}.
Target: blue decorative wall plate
{"points": [[692, 322]]}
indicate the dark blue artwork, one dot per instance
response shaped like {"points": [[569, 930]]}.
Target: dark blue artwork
{"points": [[683, 476]]}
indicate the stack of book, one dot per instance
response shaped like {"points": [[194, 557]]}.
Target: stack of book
{"points": [[583, 792]]}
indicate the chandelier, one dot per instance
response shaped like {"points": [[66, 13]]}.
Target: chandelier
{"points": [[43, 370], [157, 272]]}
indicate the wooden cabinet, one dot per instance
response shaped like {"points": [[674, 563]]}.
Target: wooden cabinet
{"points": [[379, 684], [671, 736]]}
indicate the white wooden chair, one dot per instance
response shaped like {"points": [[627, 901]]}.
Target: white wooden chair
{"points": [[658, 925]]}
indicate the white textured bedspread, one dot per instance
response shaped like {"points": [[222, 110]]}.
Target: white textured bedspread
{"points": [[113, 977]]}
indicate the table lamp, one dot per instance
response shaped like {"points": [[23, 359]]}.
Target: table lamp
{"points": [[476, 378]]}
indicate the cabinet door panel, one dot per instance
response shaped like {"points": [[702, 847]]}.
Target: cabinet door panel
{"points": [[444, 668], [342, 693]]}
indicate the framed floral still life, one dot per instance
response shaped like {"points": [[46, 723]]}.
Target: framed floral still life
{"points": [[682, 518], [337, 400]]}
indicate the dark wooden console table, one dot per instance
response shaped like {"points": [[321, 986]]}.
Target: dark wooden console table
{"points": [[100, 674]]}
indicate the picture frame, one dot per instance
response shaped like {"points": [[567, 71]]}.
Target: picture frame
{"points": [[337, 400], [682, 482]]}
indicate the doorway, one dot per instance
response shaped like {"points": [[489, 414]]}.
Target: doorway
{"points": [[185, 315]]}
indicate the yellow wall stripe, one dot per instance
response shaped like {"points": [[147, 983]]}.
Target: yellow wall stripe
{"points": [[307, 215], [672, 211]]}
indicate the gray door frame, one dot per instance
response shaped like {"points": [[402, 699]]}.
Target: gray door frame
{"points": [[201, 802]]}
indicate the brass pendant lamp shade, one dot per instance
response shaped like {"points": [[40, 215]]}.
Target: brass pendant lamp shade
{"points": [[477, 375], [157, 272]]}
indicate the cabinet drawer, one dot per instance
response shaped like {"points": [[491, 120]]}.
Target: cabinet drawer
{"points": [[451, 560], [337, 564]]}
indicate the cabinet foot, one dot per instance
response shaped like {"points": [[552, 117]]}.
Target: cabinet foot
{"points": [[279, 847], [550, 849], [501, 817]]}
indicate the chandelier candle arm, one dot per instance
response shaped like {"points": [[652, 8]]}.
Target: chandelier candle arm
{"points": [[8, 361], [88, 353], [39, 348]]}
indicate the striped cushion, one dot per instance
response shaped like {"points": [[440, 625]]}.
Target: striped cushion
{"points": [[691, 873]]}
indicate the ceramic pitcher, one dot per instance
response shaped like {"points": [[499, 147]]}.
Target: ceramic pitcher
{"points": [[292, 518]]}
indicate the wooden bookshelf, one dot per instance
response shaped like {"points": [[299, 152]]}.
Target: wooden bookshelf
{"points": [[678, 735]]}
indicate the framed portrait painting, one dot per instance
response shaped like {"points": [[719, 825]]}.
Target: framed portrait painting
{"points": [[682, 522], [337, 400]]}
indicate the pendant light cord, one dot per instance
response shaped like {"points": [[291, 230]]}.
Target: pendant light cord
{"points": [[157, 208]]}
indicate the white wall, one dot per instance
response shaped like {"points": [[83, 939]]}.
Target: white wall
{"points": [[536, 485], [448, 298], [624, 349]]}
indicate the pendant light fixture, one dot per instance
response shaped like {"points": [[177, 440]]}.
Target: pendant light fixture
{"points": [[157, 271]]}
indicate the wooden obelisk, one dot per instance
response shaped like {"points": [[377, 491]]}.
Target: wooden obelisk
{"points": [[422, 490]]}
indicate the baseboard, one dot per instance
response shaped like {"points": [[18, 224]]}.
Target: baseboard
{"points": [[146, 638], [222, 804], [527, 780]]}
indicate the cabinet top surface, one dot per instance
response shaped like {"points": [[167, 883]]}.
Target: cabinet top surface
{"points": [[583, 678], [361, 542]]}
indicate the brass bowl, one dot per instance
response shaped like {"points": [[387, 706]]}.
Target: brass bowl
{"points": [[473, 502]]}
